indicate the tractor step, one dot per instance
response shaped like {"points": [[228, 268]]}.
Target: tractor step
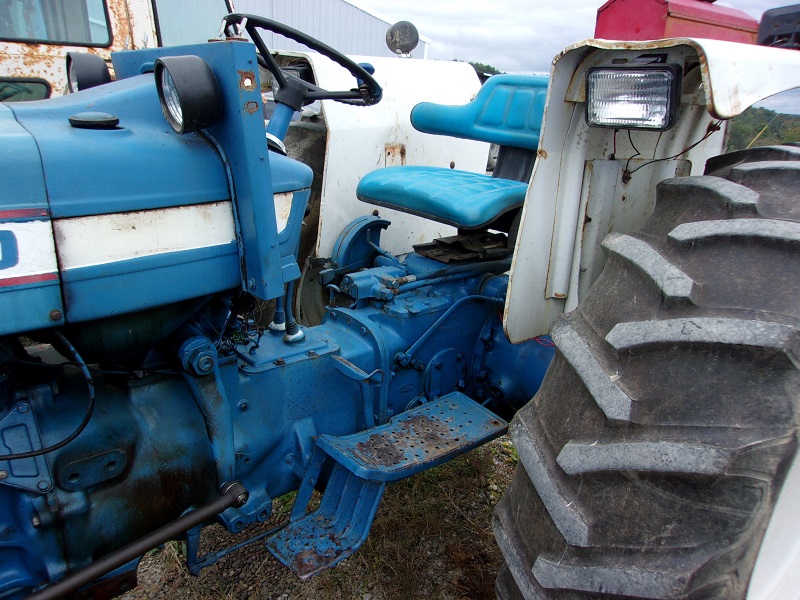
{"points": [[363, 463]]}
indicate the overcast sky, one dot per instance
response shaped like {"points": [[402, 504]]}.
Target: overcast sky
{"points": [[511, 35]]}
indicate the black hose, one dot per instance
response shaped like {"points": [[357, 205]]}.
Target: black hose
{"points": [[86, 418], [233, 494]]}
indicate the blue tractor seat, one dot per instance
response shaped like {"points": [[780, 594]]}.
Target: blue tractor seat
{"points": [[507, 111]]}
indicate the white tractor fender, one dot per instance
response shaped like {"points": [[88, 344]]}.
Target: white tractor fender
{"points": [[577, 196]]}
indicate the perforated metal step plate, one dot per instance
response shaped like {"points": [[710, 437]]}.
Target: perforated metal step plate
{"points": [[416, 440]]}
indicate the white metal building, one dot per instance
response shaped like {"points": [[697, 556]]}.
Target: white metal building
{"points": [[341, 24]]}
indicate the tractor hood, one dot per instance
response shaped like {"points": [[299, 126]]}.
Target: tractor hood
{"points": [[98, 221], [141, 159], [138, 165]]}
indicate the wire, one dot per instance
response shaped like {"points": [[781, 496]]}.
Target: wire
{"points": [[628, 162], [711, 129], [92, 368], [658, 141], [614, 149], [89, 409], [630, 139]]}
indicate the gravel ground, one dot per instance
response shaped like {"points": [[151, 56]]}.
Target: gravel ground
{"points": [[431, 539]]}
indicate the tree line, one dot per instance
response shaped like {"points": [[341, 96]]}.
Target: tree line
{"points": [[762, 127]]}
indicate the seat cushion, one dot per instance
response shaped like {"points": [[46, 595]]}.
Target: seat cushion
{"points": [[459, 198]]}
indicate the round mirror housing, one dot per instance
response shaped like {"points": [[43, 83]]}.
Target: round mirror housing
{"points": [[402, 38]]}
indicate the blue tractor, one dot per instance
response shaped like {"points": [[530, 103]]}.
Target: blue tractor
{"points": [[146, 223], [141, 394]]}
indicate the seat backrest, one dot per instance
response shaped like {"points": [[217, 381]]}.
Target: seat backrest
{"points": [[507, 111]]}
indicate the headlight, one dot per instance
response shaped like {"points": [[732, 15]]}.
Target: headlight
{"points": [[85, 71], [642, 97], [188, 91]]}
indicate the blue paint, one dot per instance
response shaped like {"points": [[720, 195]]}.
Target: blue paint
{"points": [[207, 396], [9, 250], [506, 111], [117, 288], [20, 165], [81, 166], [29, 306], [458, 198]]}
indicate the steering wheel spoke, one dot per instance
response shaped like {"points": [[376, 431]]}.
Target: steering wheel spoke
{"points": [[367, 93]]}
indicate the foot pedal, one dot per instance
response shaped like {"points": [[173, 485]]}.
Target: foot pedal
{"points": [[364, 463]]}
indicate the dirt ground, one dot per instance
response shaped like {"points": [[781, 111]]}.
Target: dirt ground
{"points": [[431, 539]]}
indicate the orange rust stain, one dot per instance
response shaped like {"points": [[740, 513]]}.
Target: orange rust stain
{"points": [[119, 15], [541, 154], [247, 80]]}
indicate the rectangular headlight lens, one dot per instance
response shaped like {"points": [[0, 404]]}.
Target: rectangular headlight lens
{"points": [[633, 97]]}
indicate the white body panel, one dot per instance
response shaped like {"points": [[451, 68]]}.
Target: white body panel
{"points": [[362, 139], [557, 256], [103, 239]]}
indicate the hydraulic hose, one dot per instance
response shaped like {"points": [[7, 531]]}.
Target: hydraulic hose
{"points": [[86, 418]]}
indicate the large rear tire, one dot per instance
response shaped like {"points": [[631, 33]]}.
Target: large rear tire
{"points": [[652, 457]]}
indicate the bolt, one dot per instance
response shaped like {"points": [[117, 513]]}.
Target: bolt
{"points": [[438, 365], [363, 331], [43, 485], [242, 405], [205, 364], [55, 315], [280, 362], [251, 283], [3, 475], [23, 408], [36, 521], [311, 353], [289, 459], [241, 500], [459, 357]]}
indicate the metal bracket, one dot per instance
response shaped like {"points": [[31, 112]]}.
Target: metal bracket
{"points": [[20, 433]]}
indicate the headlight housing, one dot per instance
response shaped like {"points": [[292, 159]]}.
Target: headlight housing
{"points": [[86, 71], [633, 97], [189, 93]]}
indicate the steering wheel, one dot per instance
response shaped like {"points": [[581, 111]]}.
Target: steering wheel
{"points": [[296, 91]]}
